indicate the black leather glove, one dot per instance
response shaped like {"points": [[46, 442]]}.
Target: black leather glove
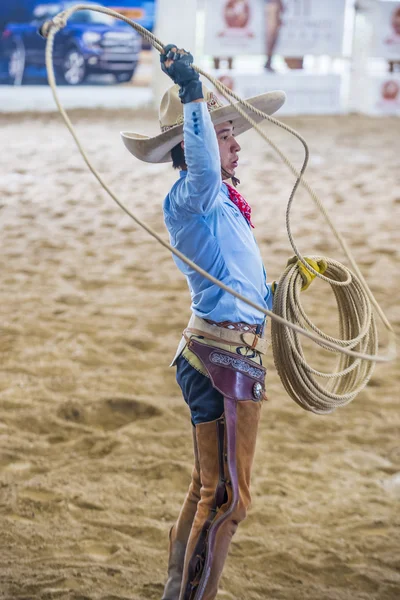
{"points": [[182, 73]]}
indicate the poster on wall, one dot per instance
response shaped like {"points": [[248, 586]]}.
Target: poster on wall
{"points": [[386, 95], [387, 30], [289, 27], [309, 27], [234, 27]]}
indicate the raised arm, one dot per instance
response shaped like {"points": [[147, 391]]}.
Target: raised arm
{"points": [[203, 180]]}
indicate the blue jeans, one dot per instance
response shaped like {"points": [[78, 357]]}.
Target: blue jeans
{"points": [[205, 402]]}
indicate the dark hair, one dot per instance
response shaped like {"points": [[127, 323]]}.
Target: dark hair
{"points": [[178, 157]]}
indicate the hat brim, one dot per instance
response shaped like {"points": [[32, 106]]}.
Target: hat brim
{"points": [[157, 149]]}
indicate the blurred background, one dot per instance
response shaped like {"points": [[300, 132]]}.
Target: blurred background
{"points": [[329, 57], [95, 438]]}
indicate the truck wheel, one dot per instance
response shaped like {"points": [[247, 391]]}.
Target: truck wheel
{"points": [[73, 68]]}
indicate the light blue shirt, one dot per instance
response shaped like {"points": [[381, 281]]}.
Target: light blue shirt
{"points": [[207, 227]]}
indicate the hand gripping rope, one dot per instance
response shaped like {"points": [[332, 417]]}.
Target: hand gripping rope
{"points": [[358, 345]]}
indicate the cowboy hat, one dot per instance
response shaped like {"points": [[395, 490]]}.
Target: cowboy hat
{"points": [[157, 149]]}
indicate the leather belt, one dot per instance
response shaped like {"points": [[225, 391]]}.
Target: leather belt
{"points": [[245, 327], [200, 327]]}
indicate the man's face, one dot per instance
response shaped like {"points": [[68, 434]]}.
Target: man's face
{"points": [[228, 147]]}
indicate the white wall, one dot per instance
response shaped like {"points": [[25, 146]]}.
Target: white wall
{"points": [[175, 24]]}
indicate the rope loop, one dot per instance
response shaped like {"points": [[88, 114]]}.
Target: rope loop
{"points": [[358, 331], [357, 346]]}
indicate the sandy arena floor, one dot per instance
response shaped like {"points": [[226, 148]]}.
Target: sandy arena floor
{"points": [[95, 438]]}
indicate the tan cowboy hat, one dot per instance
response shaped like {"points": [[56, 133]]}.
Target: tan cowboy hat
{"points": [[157, 149]]}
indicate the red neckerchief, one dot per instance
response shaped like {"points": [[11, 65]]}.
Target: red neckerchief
{"points": [[240, 202]]}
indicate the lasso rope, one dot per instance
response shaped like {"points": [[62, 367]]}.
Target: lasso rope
{"points": [[358, 344]]}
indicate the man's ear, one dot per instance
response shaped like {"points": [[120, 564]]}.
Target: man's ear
{"points": [[182, 144]]}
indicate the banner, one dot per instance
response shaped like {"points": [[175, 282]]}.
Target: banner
{"points": [[286, 27], [310, 27], [306, 94], [234, 27], [387, 30], [384, 95]]}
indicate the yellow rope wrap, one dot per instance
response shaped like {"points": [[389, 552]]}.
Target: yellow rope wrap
{"points": [[358, 344]]}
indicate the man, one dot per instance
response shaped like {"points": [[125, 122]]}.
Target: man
{"points": [[273, 23], [219, 361]]}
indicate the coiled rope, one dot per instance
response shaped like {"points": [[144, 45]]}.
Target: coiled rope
{"points": [[358, 344]]}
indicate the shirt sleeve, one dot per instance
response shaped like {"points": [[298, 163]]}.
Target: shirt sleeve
{"points": [[269, 297], [200, 188]]}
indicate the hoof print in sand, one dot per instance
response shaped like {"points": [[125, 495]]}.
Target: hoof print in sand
{"points": [[108, 414], [117, 412]]}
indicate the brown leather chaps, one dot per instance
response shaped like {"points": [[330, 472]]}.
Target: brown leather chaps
{"points": [[219, 493]]}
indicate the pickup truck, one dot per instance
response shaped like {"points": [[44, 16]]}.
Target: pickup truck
{"points": [[91, 43]]}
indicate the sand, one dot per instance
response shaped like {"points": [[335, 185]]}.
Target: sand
{"points": [[95, 438]]}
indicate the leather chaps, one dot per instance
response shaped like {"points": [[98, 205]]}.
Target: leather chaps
{"points": [[242, 384]]}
